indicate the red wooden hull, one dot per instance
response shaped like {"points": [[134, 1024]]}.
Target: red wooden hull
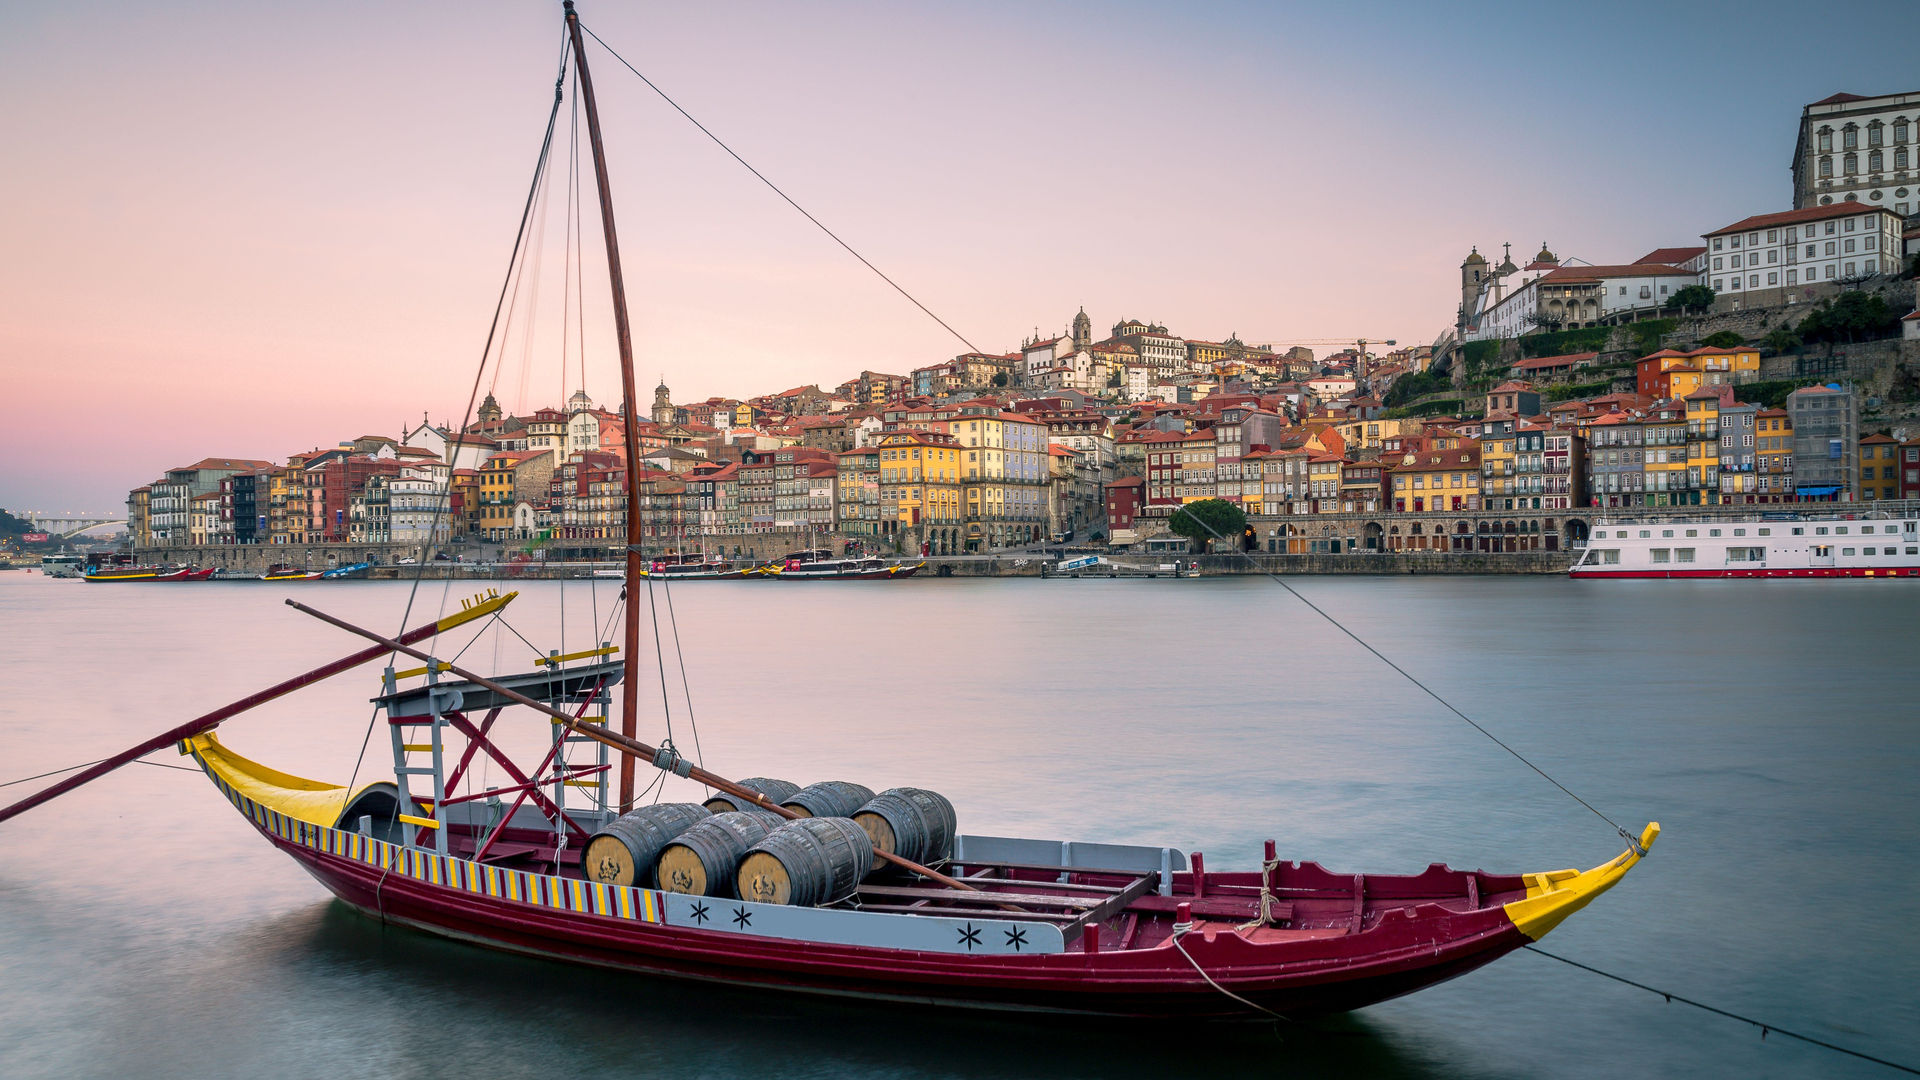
{"points": [[1315, 976]]}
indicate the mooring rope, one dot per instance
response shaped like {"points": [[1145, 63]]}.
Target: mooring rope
{"points": [[1182, 929], [1765, 1028]]}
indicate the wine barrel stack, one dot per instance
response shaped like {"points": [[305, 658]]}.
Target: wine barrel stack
{"points": [[624, 853], [807, 862], [828, 798], [913, 823], [702, 860], [776, 792], [732, 849]]}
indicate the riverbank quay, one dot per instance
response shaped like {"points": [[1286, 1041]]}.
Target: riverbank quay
{"points": [[1011, 565]]}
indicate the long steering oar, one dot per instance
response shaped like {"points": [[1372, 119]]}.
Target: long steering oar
{"points": [[213, 719], [672, 762]]}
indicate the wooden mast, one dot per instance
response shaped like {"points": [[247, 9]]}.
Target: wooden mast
{"points": [[629, 685]]}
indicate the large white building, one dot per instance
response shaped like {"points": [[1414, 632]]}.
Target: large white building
{"points": [[1859, 149], [1507, 301], [1762, 259]]}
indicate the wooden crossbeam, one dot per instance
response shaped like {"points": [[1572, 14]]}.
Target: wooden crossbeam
{"points": [[966, 896], [973, 913], [1112, 906], [553, 661]]}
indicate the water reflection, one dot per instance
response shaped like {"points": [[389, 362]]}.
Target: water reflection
{"points": [[445, 996]]}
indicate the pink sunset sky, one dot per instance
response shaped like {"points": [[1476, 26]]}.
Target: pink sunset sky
{"points": [[252, 229]]}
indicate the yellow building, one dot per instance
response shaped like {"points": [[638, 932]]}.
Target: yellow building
{"points": [[1496, 470], [287, 502], [920, 488], [1195, 479], [507, 478], [1003, 462], [1717, 366], [203, 519], [1703, 445], [1664, 455], [1773, 454], [1879, 467], [1370, 434], [463, 490], [1323, 482], [139, 527]]}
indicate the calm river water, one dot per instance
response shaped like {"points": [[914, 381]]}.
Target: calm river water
{"points": [[1772, 727]]}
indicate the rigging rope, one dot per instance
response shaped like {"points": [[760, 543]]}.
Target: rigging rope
{"points": [[685, 687], [1765, 1028], [1632, 840], [660, 657], [90, 764], [513, 260], [971, 347]]}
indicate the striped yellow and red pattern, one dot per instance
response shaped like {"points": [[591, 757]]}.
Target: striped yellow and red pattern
{"points": [[540, 890]]}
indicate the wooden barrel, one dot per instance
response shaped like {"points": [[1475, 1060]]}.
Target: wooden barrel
{"points": [[913, 823], [624, 852], [701, 861], [774, 790], [828, 798], [806, 863]]}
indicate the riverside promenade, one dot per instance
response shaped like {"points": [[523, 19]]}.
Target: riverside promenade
{"points": [[1008, 564]]}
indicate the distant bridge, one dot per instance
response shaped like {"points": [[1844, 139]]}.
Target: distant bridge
{"points": [[68, 526]]}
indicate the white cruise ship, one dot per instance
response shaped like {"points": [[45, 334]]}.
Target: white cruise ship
{"points": [[1838, 540]]}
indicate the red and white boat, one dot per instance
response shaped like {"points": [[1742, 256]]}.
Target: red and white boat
{"points": [[1861, 540]]}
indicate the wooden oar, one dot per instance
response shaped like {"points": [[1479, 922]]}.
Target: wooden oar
{"points": [[213, 719], [632, 747]]}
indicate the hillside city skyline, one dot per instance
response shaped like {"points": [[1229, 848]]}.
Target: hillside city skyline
{"points": [[150, 281]]}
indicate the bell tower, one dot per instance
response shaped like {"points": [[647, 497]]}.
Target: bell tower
{"points": [[1474, 277], [662, 404], [1082, 331]]}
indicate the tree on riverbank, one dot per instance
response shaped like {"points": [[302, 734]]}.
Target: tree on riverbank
{"points": [[1207, 520]]}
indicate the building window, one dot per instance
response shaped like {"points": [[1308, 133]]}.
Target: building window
{"points": [[1850, 137], [1826, 140], [1826, 168]]}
